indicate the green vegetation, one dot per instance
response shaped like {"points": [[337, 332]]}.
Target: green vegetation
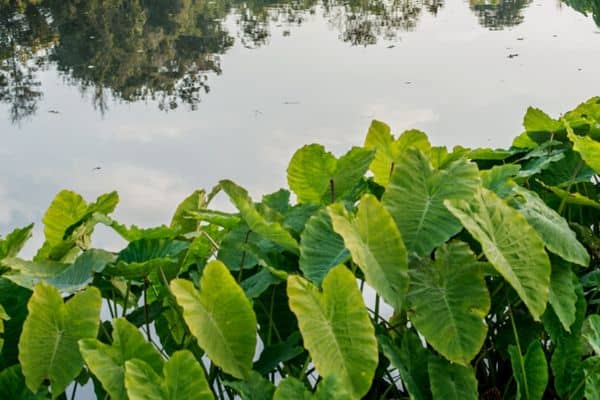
{"points": [[403, 270]]}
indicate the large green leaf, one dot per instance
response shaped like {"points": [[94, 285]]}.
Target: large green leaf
{"points": [[255, 387], [336, 328], [451, 381], [591, 366], [539, 126], [70, 221], [389, 150], [316, 176], [588, 148], [221, 318], [376, 246], [411, 360], [591, 332], [3, 317], [68, 278], [182, 219], [182, 379], [14, 241], [321, 248], [563, 295], [329, 388], [510, 244], [415, 198], [107, 362], [550, 226], [449, 302], [48, 345], [530, 372], [257, 222]]}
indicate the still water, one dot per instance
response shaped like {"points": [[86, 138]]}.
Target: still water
{"points": [[155, 98]]}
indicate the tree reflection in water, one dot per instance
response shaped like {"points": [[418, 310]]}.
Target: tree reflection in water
{"points": [[165, 50]]}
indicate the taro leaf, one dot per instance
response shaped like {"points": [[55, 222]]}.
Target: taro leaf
{"points": [[221, 318], [567, 368], [573, 198], [499, 179], [182, 379], [181, 219], [567, 171], [107, 362], [530, 372], [539, 126], [376, 246], [213, 217], [291, 388], [48, 345], [256, 222], [14, 300], [70, 220], [12, 386], [510, 244], [415, 198], [321, 248], [390, 150], [316, 176], [3, 317], [329, 388], [451, 381], [145, 256], [588, 148], [591, 366], [255, 387], [296, 217], [233, 250], [550, 226], [591, 332], [67, 278], [336, 328], [135, 233], [14, 241], [411, 360], [274, 354], [256, 284], [449, 301], [563, 295]]}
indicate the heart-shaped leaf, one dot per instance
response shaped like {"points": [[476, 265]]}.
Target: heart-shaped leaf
{"points": [[107, 362], [389, 150], [376, 247], [415, 197], [316, 176], [510, 244], [221, 318], [449, 302], [182, 379], [336, 328], [48, 345]]}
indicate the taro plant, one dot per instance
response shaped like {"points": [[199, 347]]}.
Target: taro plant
{"points": [[402, 270]]}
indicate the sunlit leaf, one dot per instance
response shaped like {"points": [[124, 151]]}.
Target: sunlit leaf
{"points": [[449, 301], [221, 318], [182, 379], [316, 176], [510, 244], [336, 328], [107, 362], [256, 222], [376, 247], [48, 345], [451, 381], [415, 198], [389, 150]]}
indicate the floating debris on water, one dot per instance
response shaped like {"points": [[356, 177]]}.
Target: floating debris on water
{"points": [[54, 111], [513, 55]]}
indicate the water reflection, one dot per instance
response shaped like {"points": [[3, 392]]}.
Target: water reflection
{"points": [[165, 50], [499, 14]]}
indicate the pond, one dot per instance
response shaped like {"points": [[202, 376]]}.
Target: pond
{"points": [[155, 98]]}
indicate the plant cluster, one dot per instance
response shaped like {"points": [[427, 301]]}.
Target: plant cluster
{"points": [[400, 270]]}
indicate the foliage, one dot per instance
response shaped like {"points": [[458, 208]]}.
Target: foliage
{"points": [[462, 274]]}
